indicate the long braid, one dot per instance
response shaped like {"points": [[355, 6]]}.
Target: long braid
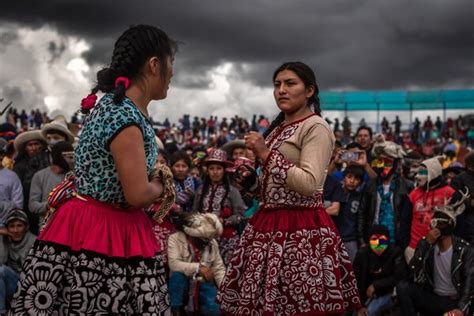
{"points": [[277, 121], [132, 49]]}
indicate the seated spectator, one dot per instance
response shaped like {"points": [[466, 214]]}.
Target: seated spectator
{"points": [[195, 263], [442, 266], [46, 179], [15, 243], [11, 191], [346, 221], [378, 268]]}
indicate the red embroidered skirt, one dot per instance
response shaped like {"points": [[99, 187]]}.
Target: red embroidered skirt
{"points": [[289, 262]]}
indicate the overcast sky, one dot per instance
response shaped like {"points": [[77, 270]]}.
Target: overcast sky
{"points": [[50, 50]]}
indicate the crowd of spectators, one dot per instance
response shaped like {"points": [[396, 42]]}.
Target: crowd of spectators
{"points": [[402, 201]]}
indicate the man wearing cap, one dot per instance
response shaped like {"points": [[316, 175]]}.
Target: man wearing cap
{"points": [[443, 268], [57, 131], [15, 242], [11, 191], [31, 157]]}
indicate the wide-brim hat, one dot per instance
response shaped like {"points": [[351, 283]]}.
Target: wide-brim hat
{"points": [[218, 156], [229, 147], [25, 137], [58, 124]]}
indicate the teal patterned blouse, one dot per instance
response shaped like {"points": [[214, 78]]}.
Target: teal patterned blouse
{"points": [[96, 175]]}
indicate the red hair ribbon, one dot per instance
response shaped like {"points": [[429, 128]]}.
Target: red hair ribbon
{"points": [[88, 102], [124, 80]]}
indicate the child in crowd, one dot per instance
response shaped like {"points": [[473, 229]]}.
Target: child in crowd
{"points": [[195, 263], [347, 219]]}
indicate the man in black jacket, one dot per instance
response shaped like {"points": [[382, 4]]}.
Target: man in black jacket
{"points": [[442, 267], [378, 268]]}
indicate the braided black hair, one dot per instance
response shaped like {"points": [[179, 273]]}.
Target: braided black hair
{"points": [[306, 74], [132, 49], [206, 184]]}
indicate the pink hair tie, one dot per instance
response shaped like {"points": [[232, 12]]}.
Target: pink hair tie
{"points": [[124, 80], [88, 102]]}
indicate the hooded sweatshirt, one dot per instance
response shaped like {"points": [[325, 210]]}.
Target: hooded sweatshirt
{"points": [[425, 198]]}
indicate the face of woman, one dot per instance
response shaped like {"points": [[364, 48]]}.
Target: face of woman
{"points": [[216, 173], [180, 170], [290, 92], [161, 82]]}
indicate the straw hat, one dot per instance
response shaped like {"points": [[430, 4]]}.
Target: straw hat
{"points": [[218, 156], [25, 137], [58, 124]]}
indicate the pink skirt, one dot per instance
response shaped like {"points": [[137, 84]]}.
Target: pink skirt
{"points": [[289, 262], [102, 228], [93, 259]]}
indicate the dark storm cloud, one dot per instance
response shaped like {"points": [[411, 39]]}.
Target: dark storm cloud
{"points": [[356, 44]]}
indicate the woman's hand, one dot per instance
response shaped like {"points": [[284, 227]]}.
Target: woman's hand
{"points": [[158, 184], [255, 142]]}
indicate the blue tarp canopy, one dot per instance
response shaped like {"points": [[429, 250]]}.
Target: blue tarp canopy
{"points": [[397, 100]]}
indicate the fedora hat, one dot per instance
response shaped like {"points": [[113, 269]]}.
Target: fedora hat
{"points": [[25, 137], [58, 124], [229, 147]]}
